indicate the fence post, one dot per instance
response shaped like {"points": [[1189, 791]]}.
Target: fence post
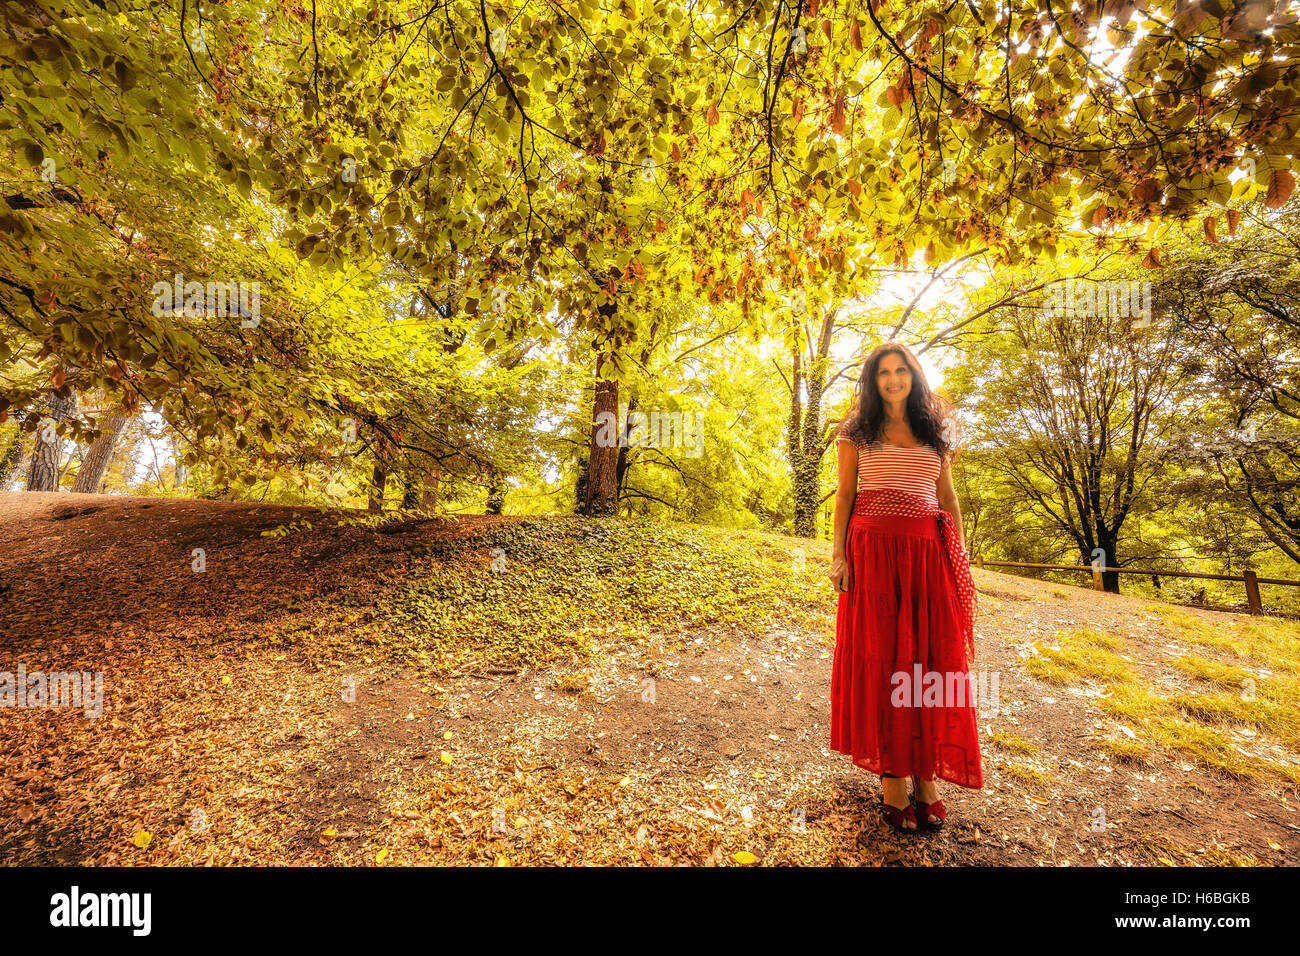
{"points": [[1096, 580], [1253, 603], [979, 561]]}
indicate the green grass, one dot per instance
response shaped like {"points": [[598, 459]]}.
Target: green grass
{"points": [[1123, 750], [1011, 743], [1084, 654], [1027, 776], [1272, 642], [564, 584], [1190, 723]]}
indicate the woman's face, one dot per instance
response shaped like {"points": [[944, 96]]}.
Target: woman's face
{"points": [[893, 378]]}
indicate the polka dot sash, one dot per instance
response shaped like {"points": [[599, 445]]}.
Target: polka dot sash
{"points": [[904, 505]]}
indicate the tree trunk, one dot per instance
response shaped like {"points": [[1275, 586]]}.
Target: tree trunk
{"points": [[13, 453], [91, 475], [808, 492], [1106, 541], [379, 479], [580, 485], [44, 472], [601, 489], [432, 489], [496, 502], [622, 464], [807, 447], [410, 492]]}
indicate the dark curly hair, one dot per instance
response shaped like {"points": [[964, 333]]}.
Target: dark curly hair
{"points": [[926, 412]]}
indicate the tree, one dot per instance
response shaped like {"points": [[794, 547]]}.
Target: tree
{"points": [[47, 452], [90, 475], [1237, 304], [1076, 412]]}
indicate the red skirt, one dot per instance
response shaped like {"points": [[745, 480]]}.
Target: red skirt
{"points": [[902, 699]]}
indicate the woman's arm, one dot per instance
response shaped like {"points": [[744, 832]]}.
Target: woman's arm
{"points": [[947, 495], [845, 494]]}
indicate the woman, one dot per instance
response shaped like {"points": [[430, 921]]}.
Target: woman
{"points": [[906, 601]]}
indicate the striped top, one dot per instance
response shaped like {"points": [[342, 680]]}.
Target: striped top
{"points": [[913, 470]]}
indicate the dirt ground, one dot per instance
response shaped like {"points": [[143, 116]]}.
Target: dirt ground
{"points": [[217, 746]]}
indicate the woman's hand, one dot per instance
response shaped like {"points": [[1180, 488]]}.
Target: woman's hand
{"points": [[839, 573]]}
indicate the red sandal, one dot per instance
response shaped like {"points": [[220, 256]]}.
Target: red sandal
{"points": [[926, 810], [897, 816]]}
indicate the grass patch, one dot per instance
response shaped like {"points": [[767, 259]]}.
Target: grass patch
{"points": [[1166, 851], [1190, 723], [1273, 642], [1031, 776], [1081, 655], [1206, 746], [1133, 703], [1012, 743], [545, 590], [1122, 749]]}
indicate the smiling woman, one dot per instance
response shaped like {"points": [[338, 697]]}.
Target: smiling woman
{"points": [[906, 600]]}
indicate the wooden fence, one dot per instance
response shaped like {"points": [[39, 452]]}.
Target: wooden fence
{"points": [[1252, 582]]}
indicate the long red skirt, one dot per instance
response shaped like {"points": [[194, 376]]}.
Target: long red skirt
{"points": [[902, 700]]}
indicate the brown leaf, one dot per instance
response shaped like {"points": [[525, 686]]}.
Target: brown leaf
{"points": [[1190, 16], [1234, 217], [1280, 186], [1146, 191], [711, 117], [837, 113], [677, 154], [1210, 227], [1099, 214], [1152, 261], [855, 35]]}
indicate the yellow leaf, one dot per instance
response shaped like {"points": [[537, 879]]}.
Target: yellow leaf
{"points": [[502, 860], [446, 757], [329, 833], [1274, 845], [624, 782], [744, 857], [447, 735], [226, 679], [143, 839], [381, 855], [759, 774]]}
